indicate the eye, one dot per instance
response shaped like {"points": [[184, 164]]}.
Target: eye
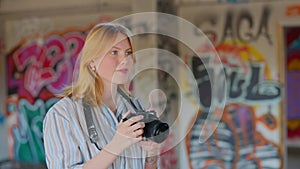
{"points": [[128, 53], [114, 52]]}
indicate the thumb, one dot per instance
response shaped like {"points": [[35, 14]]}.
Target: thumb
{"points": [[125, 115]]}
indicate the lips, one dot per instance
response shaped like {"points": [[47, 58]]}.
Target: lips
{"points": [[122, 70]]}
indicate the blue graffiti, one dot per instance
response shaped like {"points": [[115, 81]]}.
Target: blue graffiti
{"points": [[28, 134]]}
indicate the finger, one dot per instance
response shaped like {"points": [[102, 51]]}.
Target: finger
{"points": [[139, 132], [134, 135], [133, 119], [138, 125]]}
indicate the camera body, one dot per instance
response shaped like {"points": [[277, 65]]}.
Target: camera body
{"points": [[155, 129]]}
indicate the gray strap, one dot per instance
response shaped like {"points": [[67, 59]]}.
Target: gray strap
{"points": [[134, 103], [93, 135]]}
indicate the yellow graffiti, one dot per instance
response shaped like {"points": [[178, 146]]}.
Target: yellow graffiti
{"points": [[244, 52], [293, 124], [294, 65]]}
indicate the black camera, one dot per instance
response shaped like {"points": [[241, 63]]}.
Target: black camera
{"points": [[155, 129]]}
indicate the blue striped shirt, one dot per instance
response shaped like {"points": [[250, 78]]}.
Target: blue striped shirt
{"points": [[66, 138]]}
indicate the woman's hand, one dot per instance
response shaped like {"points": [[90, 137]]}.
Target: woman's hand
{"points": [[128, 132], [152, 148]]}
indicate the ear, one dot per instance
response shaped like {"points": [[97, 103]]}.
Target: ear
{"points": [[92, 65]]}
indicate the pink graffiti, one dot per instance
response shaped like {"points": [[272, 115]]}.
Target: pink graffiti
{"points": [[56, 50], [31, 54], [63, 77], [36, 78], [47, 65], [74, 43], [37, 69]]}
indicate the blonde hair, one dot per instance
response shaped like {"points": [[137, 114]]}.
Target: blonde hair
{"points": [[99, 41]]}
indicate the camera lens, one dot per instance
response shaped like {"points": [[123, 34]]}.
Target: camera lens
{"points": [[160, 132], [161, 128]]}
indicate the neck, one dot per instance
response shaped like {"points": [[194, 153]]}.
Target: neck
{"points": [[109, 96]]}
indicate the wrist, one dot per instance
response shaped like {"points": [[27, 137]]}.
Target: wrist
{"points": [[114, 147]]}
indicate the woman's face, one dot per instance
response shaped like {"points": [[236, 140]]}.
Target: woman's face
{"points": [[116, 65]]}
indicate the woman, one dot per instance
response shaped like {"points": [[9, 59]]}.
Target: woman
{"points": [[106, 62]]}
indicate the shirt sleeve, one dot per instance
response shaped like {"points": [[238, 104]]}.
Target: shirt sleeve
{"points": [[61, 150]]}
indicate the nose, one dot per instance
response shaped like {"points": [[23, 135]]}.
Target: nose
{"points": [[126, 59]]}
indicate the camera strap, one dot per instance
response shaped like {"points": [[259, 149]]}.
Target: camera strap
{"points": [[134, 103], [93, 135]]}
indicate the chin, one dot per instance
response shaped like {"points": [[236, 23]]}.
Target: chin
{"points": [[121, 82]]}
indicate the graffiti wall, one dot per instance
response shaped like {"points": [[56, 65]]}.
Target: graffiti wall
{"points": [[250, 133], [38, 67], [292, 57], [37, 70]]}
